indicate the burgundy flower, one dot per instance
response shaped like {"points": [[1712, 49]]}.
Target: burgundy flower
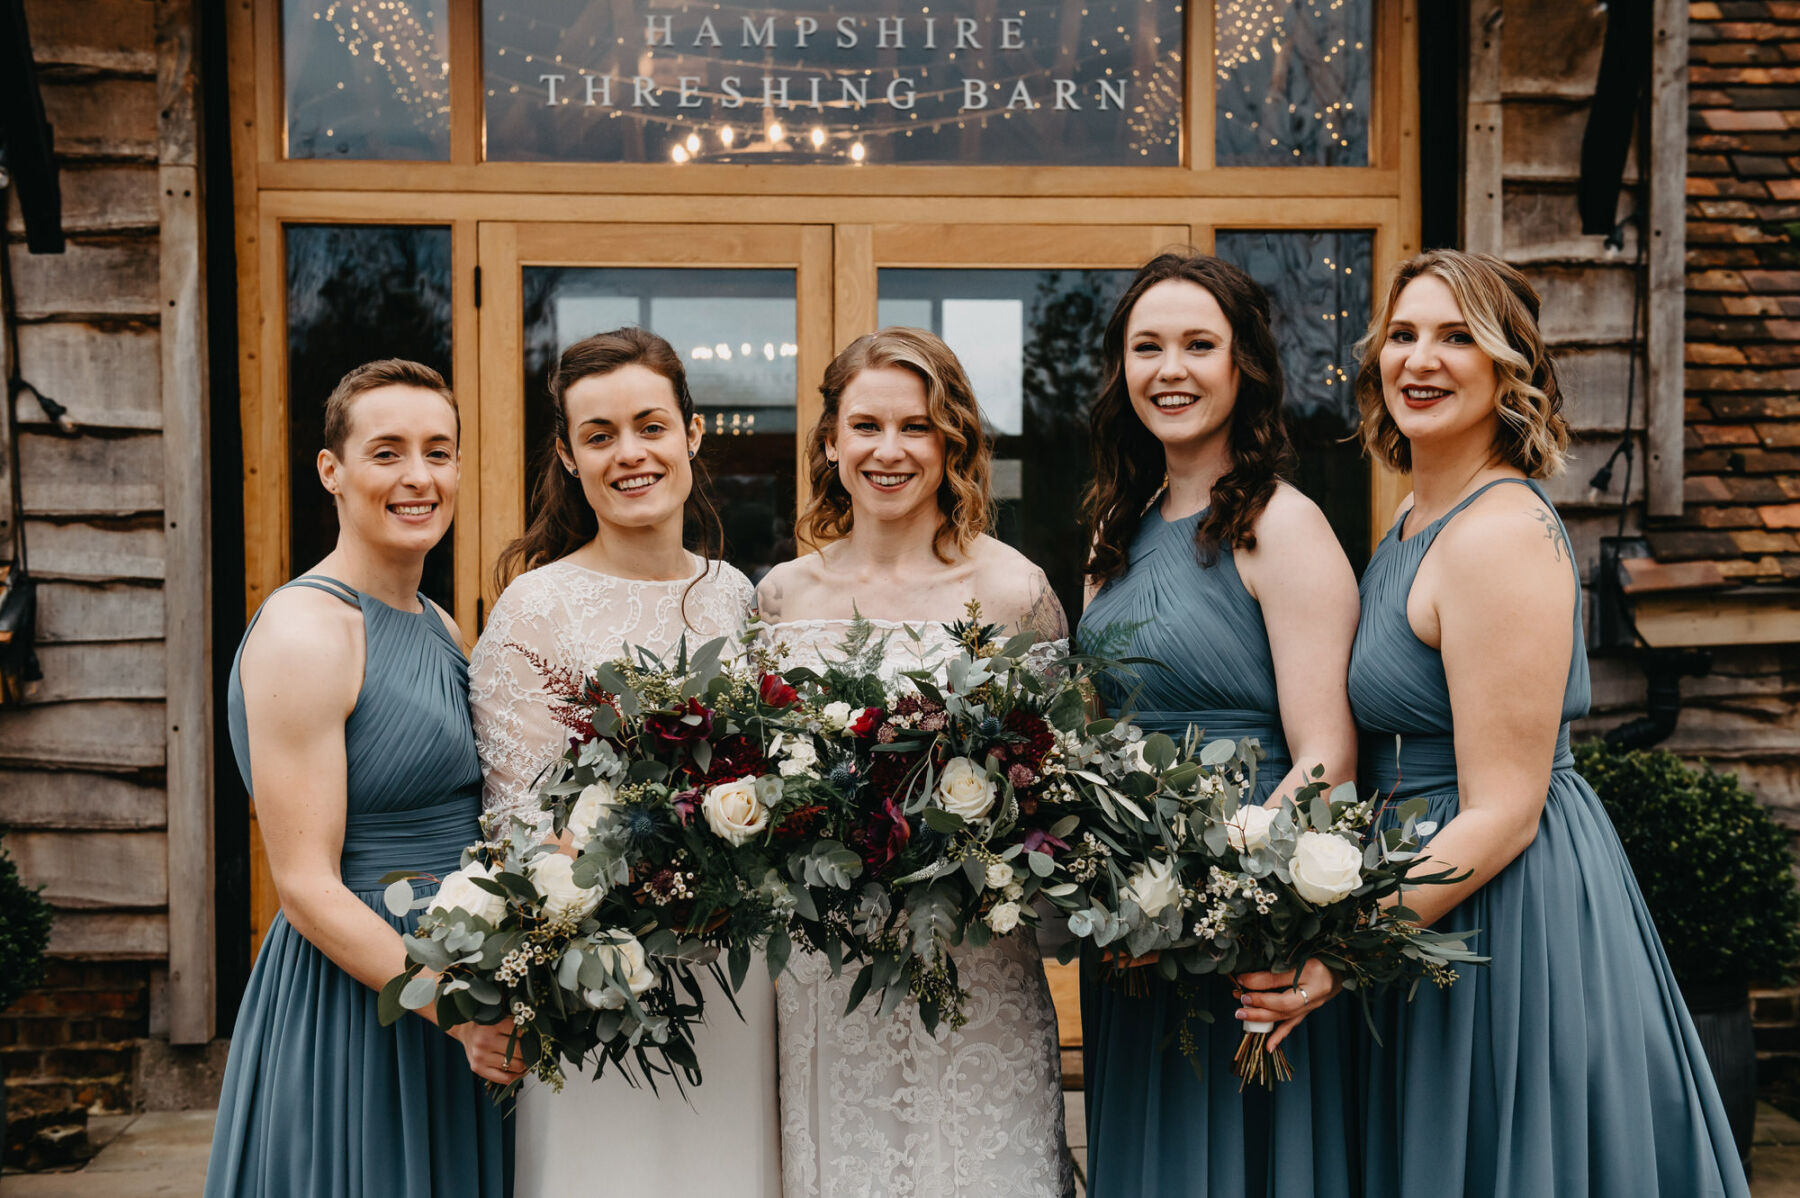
{"points": [[886, 835], [690, 722], [1020, 775], [775, 692], [685, 804], [866, 723], [1039, 841]]}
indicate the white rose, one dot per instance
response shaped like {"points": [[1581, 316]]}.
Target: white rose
{"points": [[799, 757], [584, 817], [999, 874], [1249, 828], [563, 899], [837, 714], [1003, 918], [965, 789], [458, 891], [1325, 867], [733, 811], [625, 956], [1154, 887]]}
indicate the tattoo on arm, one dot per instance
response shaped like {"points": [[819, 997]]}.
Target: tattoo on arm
{"points": [[1553, 531], [1044, 615]]}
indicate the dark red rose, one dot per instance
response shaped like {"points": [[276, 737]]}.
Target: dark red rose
{"points": [[886, 836], [865, 724], [733, 757], [1039, 739], [688, 723], [775, 692]]}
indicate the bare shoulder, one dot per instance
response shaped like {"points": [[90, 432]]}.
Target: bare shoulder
{"points": [[1294, 543], [1290, 516], [1015, 591], [786, 589], [450, 624], [305, 633], [1509, 541]]}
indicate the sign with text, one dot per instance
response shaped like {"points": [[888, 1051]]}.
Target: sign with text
{"points": [[970, 82]]}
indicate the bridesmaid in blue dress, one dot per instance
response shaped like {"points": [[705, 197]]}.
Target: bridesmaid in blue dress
{"points": [[348, 708], [1569, 1064], [1234, 582]]}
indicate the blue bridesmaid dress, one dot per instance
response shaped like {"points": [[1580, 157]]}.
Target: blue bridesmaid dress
{"points": [[1567, 1066], [320, 1100], [1154, 1128]]}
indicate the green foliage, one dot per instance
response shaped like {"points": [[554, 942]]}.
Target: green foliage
{"points": [[1713, 865], [24, 933]]}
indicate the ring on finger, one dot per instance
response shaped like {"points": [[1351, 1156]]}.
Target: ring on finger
{"points": [[1301, 991]]}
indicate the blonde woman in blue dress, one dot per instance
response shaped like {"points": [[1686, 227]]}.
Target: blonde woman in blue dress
{"points": [[1568, 1065]]}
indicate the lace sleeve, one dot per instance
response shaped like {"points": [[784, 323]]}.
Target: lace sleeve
{"points": [[516, 735]]}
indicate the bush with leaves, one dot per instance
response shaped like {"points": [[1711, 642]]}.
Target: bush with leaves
{"points": [[24, 932], [1713, 865]]}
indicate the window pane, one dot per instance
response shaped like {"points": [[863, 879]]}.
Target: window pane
{"points": [[367, 79], [1030, 343], [1320, 287], [356, 293], [1069, 83], [1292, 80], [737, 335]]}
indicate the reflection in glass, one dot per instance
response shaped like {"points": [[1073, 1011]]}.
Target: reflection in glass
{"points": [[737, 335], [1069, 83], [356, 293], [1030, 343], [1292, 79], [367, 79], [1319, 286]]}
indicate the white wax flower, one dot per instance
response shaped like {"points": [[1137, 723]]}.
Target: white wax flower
{"points": [[1325, 867]]}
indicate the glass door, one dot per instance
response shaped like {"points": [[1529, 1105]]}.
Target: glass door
{"points": [[748, 309]]}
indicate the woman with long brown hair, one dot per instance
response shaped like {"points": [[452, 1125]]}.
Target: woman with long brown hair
{"points": [[1568, 1064], [872, 1104], [1207, 562], [605, 566]]}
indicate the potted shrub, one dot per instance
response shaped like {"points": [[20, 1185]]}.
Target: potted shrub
{"points": [[1716, 872], [24, 933]]}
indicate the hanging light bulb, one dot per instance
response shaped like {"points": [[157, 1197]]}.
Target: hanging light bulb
{"points": [[857, 153], [679, 154], [818, 137], [727, 135], [693, 143], [776, 133]]}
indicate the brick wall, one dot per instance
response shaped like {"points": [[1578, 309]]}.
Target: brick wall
{"points": [[75, 1038], [1743, 409]]}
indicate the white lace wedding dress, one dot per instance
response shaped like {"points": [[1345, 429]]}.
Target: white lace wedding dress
{"points": [[605, 1136], [875, 1107]]}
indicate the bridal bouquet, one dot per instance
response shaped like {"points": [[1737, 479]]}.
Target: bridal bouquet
{"points": [[958, 799], [673, 824]]}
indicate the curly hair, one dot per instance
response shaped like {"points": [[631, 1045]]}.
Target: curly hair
{"points": [[1501, 309], [965, 497], [563, 520], [1129, 463]]}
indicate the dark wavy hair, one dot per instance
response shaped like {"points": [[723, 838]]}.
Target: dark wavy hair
{"points": [[564, 521], [964, 497], [1129, 464]]}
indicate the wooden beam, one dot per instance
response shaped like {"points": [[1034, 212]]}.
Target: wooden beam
{"points": [[1483, 150], [93, 870], [187, 529], [1680, 621], [1666, 258], [70, 799], [110, 935]]}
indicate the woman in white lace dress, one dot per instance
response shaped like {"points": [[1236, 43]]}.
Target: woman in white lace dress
{"points": [[875, 1106], [605, 568]]}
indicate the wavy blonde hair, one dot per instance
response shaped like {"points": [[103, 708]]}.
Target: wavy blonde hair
{"points": [[965, 497], [1501, 309]]}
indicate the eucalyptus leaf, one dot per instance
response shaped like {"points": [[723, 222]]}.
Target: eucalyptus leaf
{"points": [[419, 993], [1218, 752], [397, 898]]}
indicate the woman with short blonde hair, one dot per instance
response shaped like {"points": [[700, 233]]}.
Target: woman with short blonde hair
{"points": [[871, 1103], [1568, 1065]]}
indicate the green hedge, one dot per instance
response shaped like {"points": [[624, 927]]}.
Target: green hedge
{"points": [[24, 933], [1713, 865]]}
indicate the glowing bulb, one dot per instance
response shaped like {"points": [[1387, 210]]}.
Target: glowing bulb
{"points": [[775, 132], [722, 352], [693, 143], [857, 152], [818, 137], [727, 135], [679, 154]]}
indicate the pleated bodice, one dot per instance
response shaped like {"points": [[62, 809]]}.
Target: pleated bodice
{"points": [[1206, 631], [1397, 683]]}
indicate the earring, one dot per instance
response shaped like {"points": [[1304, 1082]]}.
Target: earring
{"points": [[691, 454], [574, 473]]}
